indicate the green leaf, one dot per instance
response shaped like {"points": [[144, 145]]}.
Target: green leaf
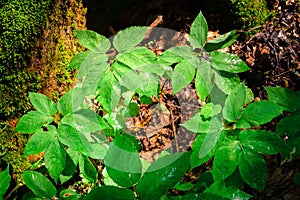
{"points": [[197, 124], [232, 193], [84, 120], [226, 160], [109, 92], [32, 122], [87, 168], [221, 41], [184, 186], [253, 169], [39, 184], [39, 141], [4, 181], [133, 109], [182, 75], [162, 175], [137, 58], [74, 139], [110, 193], [148, 84], [72, 159], [249, 95], [209, 143], [42, 103], [293, 150], [210, 110], [234, 103], [94, 62], [199, 30], [178, 54], [197, 145], [129, 38], [284, 97], [65, 103], [78, 59], [122, 161], [92, 40], [226, 81], [261, 141], [227, 62], [258, 113], [54, 157], [203, 81], [289, 125]]}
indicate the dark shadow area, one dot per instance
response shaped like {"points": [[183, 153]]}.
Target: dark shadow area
{"points": [[107, 17]]}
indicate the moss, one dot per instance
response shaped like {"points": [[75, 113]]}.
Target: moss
{"points": [[21, 23], [251, 14], [56, 47]]}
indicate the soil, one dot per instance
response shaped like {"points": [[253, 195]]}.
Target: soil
{"points": [[272, 54]]}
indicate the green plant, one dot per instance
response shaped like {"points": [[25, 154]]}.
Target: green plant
{"points": [[71, 134]]}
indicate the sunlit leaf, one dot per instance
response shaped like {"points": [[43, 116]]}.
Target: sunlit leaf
{"points": [[199, 30], [42, 103]]}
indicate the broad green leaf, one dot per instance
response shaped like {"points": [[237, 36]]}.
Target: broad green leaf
{"points": [[226, 160], [39, 184], [234, 103], [94, 62], [261, 141], [210, 110], [4, 181], [54, 157], [226, 81], [90, 82], [133, 109], [184, 186], [232, 193], [182, 75], [258, 113], [227, 62], [198, 124], [74, 139], [199, 30], [32, 122], [110, 193], [284, 97], [210, 141], [126, 76], [123, 161], [162, 175], [178, 54], [87, 168], [129, 38], [137, 58], [65, 103], [73, 100], [78, 59], [289, 125], [92, 40], [203, 81], [72, 159], [39, 141], [149, 84], [253, 169], [84, 120], [221, 41], [109, 92], [42, 103], [198, 143]]}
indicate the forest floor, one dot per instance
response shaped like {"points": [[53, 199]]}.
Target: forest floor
{"points": [[272, 54]]}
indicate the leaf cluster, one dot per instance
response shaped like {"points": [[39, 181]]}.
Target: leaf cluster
{"points": [[113, 72]]}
